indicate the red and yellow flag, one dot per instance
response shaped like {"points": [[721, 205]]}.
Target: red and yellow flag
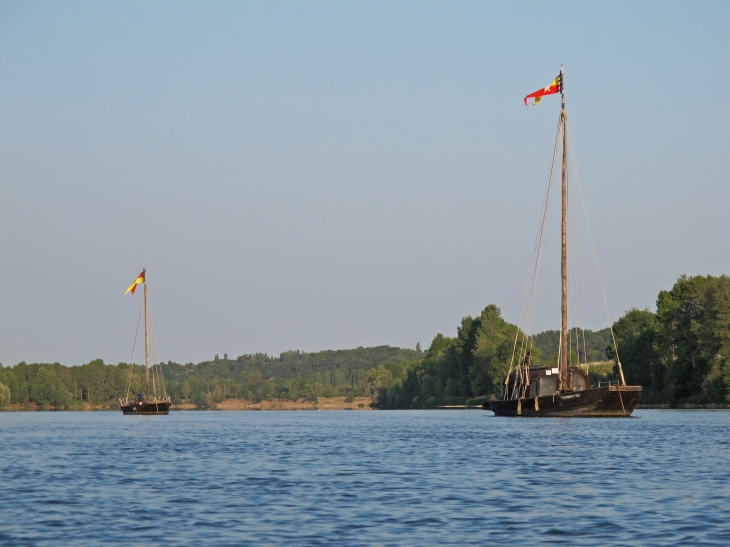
{"points": [[556, 86], [133, 286]]}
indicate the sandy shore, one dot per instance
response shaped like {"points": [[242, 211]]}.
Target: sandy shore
{"points": [[324, 403]]}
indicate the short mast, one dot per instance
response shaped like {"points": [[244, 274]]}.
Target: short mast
{"points": [[564, 362], [146, 346]]}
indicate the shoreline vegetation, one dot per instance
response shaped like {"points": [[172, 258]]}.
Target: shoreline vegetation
{"points": [[322, 403], [679, 354], [294, 379]]}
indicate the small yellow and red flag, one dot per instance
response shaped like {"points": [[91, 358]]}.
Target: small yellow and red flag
{"points": [[556, 86], [133, 286]]}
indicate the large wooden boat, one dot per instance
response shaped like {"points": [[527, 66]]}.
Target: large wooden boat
{"points": [[542, 391], [543, 398], [143, 404]]}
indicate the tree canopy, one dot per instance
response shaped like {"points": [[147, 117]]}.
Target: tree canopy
{"points": [[681, 353], [255, 377], [452, 370]]}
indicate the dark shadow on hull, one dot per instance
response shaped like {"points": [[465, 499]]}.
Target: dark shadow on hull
{"points": [[599, 402], [144, 408]]}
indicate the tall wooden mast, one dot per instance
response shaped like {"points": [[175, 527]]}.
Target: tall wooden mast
{"points": [[564, 362], [160, 404], [146, 345]]}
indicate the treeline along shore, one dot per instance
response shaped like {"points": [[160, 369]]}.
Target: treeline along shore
{"points": [[680, 355], [293, 376]]}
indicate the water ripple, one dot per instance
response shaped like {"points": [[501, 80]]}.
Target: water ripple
{"points": [[362, 478]]}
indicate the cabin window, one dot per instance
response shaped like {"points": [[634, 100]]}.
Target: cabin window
{"points": [[533, 388], [578, 381], [547, 385]]}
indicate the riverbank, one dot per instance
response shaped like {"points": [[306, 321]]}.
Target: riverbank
{"points": [[322, 403]]}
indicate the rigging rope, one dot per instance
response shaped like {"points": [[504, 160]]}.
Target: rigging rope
{"points": [[595, 257], [134, 351], [580, 318], [532, 273], [161, 378], [539, 269], [521, 355]]}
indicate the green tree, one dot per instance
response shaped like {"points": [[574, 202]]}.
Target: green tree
{"points": [[638, 334], [695, 323], [494, 345], [475, 362], [4, 395], [47, 389], [591, 345]]}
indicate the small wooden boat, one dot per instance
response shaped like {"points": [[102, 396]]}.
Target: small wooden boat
{"points": [[142, 404], [541, 391]]}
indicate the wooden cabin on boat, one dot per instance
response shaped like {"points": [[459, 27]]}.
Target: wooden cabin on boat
{"points": [[544, 381]]}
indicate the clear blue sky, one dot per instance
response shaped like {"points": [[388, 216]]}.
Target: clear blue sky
{"points": [[315, 175]]}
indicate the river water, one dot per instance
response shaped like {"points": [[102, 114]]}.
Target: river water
{"points": [[363, 478]]}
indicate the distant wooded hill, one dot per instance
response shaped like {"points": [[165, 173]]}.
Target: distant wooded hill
{"points": [[292, 375], [594, 348]]}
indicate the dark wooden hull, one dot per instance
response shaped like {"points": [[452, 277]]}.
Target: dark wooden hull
{"points": [[144, 408], [599, 402]]}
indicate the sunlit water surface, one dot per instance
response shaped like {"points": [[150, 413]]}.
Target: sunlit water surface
{"points": [[363, 478]]}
